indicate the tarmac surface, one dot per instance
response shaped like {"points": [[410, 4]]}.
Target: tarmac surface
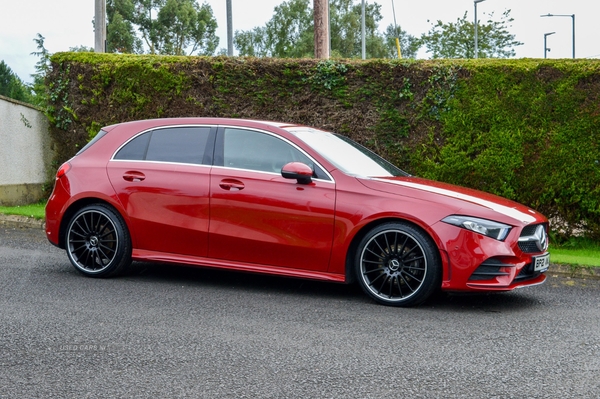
{"points": [[174, 332]]}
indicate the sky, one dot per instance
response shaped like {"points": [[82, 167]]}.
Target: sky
{"points": [[68, 23]]}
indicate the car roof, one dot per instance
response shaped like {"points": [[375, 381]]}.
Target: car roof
{"points": [[149, 123]]}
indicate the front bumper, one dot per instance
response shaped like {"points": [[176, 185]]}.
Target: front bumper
{"points": [[478, 263]]}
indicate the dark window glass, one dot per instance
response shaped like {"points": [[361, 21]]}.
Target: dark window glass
{"points": [[178, 144], [246, 149], [98, 136], [135, 150]]}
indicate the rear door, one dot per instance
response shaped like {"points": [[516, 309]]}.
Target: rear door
{"points": [[162, 178], [259, 217]]}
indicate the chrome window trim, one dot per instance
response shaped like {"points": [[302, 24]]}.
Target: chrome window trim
{"points": [[268, 173], [112, 158], [160, 162]]}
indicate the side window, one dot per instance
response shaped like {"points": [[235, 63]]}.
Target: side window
{"points": [[178, 144], [98, 136], [246, 149], [136, 149]]}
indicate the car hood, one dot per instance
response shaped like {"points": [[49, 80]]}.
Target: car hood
{"points": [[459, 200]]}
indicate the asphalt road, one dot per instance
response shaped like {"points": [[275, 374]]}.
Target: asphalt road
{"points": [[167, 332]]}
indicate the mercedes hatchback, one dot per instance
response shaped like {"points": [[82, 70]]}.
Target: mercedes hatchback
{"points": [[286, 200]]}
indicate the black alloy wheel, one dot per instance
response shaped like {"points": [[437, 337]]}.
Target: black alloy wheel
{"points": [[98, 242], [398, 265]]}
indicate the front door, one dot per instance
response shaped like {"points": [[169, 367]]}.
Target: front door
{"points": [[259, 217]]}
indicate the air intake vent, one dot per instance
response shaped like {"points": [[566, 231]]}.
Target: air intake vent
{"points": [[489, 270]]}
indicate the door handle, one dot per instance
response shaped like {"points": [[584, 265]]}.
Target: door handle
{"points": [[231, 185], [133, 176]]}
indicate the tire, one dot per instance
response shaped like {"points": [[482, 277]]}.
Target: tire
{"points": [[98, 242], [397, 264]]}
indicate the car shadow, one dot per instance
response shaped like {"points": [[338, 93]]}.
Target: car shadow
{"points": [[487, 302], [277, 285]]}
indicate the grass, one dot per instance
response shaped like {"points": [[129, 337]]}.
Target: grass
{"points": [[35, 211], [575, 256], [575, 251]]}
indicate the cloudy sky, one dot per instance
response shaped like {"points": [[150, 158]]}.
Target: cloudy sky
{"points": [[68, 23]]}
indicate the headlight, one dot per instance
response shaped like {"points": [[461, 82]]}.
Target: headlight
{"points": [[489, 228]]}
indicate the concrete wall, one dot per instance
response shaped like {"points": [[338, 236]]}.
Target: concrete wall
{"points": [[25, 153]]}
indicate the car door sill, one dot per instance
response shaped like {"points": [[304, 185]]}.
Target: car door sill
{"points": [[153, 256]]}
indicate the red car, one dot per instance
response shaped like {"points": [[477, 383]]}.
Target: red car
{"points": [[286, 200]]}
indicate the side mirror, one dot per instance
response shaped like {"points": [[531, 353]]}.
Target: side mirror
{"points": [[299, 171]]}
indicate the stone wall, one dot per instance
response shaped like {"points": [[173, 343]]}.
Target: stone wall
{"points": [[25, 153]]}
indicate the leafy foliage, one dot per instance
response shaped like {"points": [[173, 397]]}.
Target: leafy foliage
{"points": [[524, 129], [178, 27], [457, 39], [409, 44], [12, 86], [290, 32], [329, 75], [42, 68]]}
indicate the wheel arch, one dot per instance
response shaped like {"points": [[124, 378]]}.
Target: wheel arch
{"points": [[75, 207], [364, 230]]}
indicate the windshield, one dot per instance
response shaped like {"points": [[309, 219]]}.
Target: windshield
{"points": [[347, 155]]}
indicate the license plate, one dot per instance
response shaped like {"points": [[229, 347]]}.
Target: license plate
{"points": [[541, 263]]}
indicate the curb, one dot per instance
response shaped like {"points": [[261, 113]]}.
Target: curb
{"points": [[24, 222], [21, 222], [575, 271]]}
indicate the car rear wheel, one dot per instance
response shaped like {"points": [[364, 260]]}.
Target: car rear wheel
{"points": [[98, 242], [398, 265]]}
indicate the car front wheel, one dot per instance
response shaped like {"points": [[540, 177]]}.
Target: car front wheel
{"points": [[98, 242], [398, 265]]}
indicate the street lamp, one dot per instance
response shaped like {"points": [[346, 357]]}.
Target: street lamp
{"points": [[476, 23], [565, 15], [546, 49]]}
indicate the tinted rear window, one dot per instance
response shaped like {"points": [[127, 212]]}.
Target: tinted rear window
{"points": [[135, 150], [178, 144], [98, 136]]}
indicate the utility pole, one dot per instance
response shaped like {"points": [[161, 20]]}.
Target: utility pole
{"points": [[321, 17], [362, 32], [100, 26], [476, 24], [397, 32], [229, 29]]}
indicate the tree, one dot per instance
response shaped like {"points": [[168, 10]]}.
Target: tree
{"points": [[346, 29], [179, 27], [81, 49], [290, 32], [120, 30], [42, 67], [457, 40], [409, 44], [252, 42], [12, 86]]}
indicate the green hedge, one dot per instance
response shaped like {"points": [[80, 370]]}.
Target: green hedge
{"points": [[523, 129]]}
